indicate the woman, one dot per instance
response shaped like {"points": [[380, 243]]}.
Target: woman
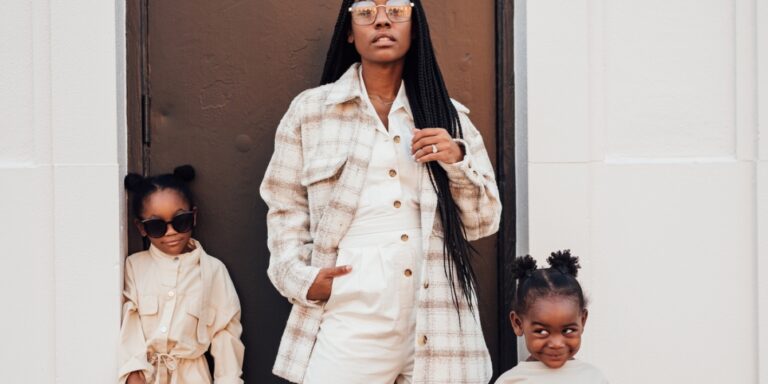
{"points": [[377, 183]]}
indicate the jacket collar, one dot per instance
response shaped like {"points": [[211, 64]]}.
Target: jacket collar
{"points": [[349, 87], [401, 99], [187, 259], [346, 88]]}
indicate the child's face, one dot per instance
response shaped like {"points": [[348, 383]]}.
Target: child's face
{"points": [[164, 205], [552, 328]]}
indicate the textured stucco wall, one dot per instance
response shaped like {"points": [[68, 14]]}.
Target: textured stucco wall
{"points": [[61, 87], [643, 159]]}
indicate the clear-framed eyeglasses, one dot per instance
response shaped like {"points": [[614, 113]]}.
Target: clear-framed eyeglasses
{"points": [[397, 11]]}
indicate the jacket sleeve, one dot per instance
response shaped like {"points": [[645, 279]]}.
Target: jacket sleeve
{"points": [[289, 239], [473, 184], [226, 347], [132, 353]]}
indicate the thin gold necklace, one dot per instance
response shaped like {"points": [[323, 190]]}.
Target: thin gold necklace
{"points": [[381, 99]]}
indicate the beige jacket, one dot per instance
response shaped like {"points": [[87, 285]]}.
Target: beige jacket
{"points": [[174, 309], [312, 185]]}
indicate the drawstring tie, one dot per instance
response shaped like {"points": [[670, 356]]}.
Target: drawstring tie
{"points": [[165, 366]]}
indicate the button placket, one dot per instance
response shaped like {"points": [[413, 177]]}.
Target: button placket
{"points": [[170, 276]]}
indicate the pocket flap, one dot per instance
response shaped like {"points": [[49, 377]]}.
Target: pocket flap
{"points": [[148, 305], [321, 169], [205, 316]]}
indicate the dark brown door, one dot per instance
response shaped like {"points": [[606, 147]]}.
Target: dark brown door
{"points": [[217, 77]]}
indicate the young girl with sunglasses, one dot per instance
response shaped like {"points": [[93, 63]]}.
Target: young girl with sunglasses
{"points": [[550, 311], [178, 300]]}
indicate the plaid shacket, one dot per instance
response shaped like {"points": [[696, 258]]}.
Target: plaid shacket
{"points": [[312, 185]]}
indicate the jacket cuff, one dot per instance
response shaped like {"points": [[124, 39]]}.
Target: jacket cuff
{"points": [[301, 297], [136, 363], [458, 172]]}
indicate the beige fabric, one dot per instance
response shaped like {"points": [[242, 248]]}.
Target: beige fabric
{"points": [[367, 332], [175, 308], [313, 185], [391, 151], [535, 372]]}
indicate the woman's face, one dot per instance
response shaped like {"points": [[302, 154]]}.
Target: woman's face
{"points": [[383, 41]]}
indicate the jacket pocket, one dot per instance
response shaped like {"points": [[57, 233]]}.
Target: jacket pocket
{"points": [[148, 305], [203, 321], [317, 170]]}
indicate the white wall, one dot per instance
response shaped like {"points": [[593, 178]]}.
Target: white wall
{"points": [[62, 140], [762, 187], [643, 159]]}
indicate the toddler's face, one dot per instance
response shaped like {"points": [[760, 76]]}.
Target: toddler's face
{"points": [[165, 204], [552, 328]]}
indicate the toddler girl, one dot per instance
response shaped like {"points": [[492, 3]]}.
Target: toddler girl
{"points": [[549, 309], [178, 300]]}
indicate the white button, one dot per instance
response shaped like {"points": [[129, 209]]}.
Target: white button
{"points": [[171, 293], [163, 329]]}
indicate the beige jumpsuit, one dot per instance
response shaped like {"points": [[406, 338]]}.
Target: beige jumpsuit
{"points": [[175, 308]]}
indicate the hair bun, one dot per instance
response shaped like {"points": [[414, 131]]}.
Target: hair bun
{"points": [[523, 267], [564, 262], [133, 181], [184, 173]]}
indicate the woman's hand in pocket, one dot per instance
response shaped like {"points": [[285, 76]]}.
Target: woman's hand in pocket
{"points": [[321, 287]]}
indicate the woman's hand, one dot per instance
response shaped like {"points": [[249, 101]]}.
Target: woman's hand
{"points": [[321, 287], [448, 151], [136, 377]]}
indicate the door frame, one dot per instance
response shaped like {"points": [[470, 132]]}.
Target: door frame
{"points": [[505, 177], [139, 144]]}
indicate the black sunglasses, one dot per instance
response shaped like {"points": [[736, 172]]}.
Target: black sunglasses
{"points": [[182, 223]]}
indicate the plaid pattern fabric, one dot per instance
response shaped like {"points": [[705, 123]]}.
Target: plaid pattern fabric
{"points": [[312, 185]]}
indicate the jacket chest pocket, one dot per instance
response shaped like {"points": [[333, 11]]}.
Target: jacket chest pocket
{"points": [[319, 176], [322, 170], [198, 323], [148, 312]]}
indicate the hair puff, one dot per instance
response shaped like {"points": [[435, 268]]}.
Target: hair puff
{"points": [[134, 181], [523, 266], [564, 262], [184, 173]]}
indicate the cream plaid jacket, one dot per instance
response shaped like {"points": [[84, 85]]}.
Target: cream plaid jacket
{"points": [[312, 184]]}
